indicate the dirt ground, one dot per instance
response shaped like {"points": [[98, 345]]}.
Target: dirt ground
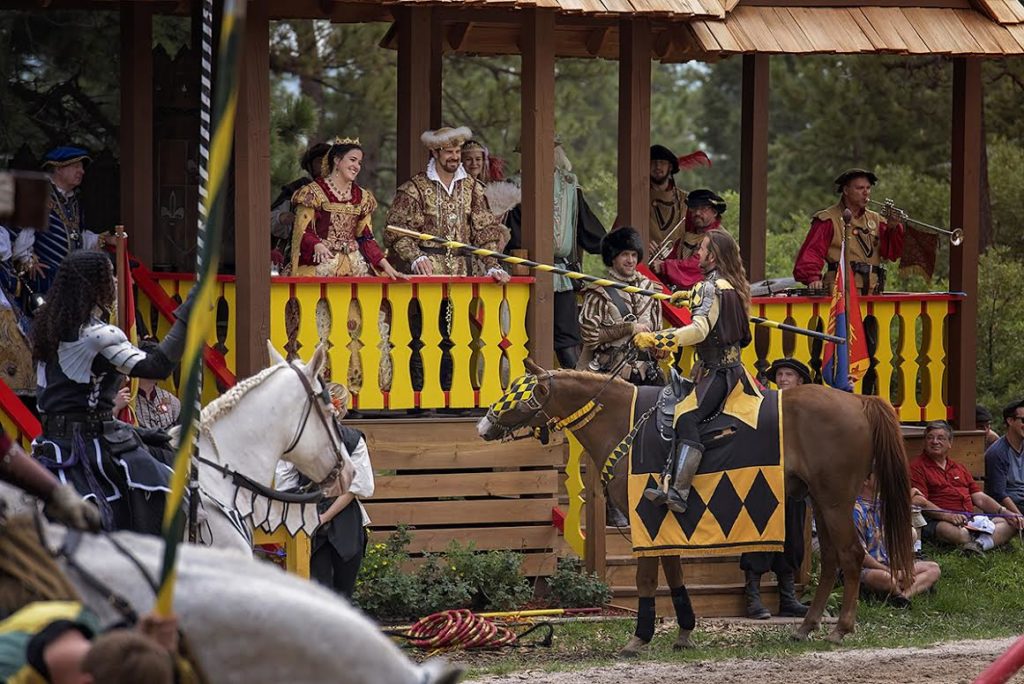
{"points": [[950, 663]]}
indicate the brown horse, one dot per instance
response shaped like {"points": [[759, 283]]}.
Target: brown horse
{"points": [[833, 441]]}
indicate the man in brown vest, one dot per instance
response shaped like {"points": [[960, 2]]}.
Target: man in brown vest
{"points": [[869, 239]]}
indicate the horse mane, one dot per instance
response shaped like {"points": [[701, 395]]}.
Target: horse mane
{"points": [[227, 401], [597, 377]]}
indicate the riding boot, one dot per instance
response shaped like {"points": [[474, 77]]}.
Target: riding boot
{"points": [[789, 605], [613, 517], [752, 591], [686, 464]]}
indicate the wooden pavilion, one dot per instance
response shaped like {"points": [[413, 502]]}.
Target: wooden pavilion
{"points": [[634, 32]]}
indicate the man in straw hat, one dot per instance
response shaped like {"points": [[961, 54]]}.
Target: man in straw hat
{"points": [[445, 201], [869, 240]]}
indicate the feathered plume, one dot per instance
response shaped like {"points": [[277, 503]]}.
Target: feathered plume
{"points": [[502, 196], [693, 160]]}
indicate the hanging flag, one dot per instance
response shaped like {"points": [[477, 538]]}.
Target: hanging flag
{"points": [[845, 364]]}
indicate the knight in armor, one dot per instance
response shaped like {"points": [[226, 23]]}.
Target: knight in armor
{"points": [[720, 329], [869, 238], [82, 360]]}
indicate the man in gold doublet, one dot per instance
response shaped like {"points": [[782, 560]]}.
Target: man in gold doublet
{"points": [[445, 201]]}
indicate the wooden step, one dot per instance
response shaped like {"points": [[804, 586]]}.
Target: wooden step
{"points": [[621, 570], [723, 600]]}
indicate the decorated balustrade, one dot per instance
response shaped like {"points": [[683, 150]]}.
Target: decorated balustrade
{"points": [[427, 343]]}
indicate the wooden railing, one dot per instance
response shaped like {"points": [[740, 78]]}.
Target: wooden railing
{"points": [[424, 343]]}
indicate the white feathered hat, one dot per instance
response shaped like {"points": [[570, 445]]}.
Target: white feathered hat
{"points": [[445, 137]]}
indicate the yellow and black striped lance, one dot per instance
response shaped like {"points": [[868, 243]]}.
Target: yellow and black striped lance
{"points": [[676, 299]]}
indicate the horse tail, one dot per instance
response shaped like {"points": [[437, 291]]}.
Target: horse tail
{"points": [[889, 464]]}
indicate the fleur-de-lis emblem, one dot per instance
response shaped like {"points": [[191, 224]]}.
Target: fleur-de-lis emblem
{"points": [[173, 211]]}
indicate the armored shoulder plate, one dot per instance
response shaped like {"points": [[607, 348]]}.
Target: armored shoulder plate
{"points": [[702, 296], [76, 357]]}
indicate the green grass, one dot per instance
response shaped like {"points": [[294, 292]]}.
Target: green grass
{"points": [[975, 598]]}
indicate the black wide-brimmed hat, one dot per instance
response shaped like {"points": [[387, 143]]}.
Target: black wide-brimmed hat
{"points": [[848, 175], [662, 153], [705, 197], [802, 370], [621, 240]]}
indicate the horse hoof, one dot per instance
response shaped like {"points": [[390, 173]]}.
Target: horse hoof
{"points": [[800, 634], [632, 649], [836, 637], [683, 642]]}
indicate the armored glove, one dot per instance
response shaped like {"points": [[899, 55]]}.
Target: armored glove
{"points": [[680, 298], [67, 507], [664, 340]]}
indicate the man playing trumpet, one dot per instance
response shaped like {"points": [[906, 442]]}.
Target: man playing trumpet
{"points": [[869, 238]]}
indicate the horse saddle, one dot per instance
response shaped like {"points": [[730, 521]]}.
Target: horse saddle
{"points": [[715, 432]]}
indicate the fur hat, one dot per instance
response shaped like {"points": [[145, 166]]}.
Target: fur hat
{"points": [[792, 364], [445, 137], [621, 240], [848, 175], [662, 153]]}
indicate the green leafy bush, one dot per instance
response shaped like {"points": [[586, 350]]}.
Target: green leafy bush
{"points": [[461, 577], [573, 587]]}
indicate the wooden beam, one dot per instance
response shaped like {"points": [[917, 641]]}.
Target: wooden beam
{"points": [[252, 195], [136, 134], [596, 40], [436, 39], [538, 155], [634, 207], [754, 165], [457, 33], [965, 211], [414, 84]]}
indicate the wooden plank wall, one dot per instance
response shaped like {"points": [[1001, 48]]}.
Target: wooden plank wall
{"points": [[438, 477]]}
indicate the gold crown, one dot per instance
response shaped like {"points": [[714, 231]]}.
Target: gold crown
{"points": [[346, 141]]}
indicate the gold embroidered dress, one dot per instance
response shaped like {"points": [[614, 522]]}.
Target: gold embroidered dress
{"points": [[461, 213], [343, 226]]}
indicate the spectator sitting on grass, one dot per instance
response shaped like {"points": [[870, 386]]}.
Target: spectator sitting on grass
{"points": [[1004, 461], [875, 574], [949, 498]]}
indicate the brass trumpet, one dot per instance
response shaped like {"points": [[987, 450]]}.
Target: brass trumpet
{"points": [[889, 210], [665, 247]]}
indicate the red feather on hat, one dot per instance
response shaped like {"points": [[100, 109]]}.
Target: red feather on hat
{"points": [[495, 168], [693, 160]]}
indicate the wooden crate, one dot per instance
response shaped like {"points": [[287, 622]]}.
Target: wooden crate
{"points": [[438, 477]]}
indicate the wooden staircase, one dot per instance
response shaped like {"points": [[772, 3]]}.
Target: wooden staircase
{"points": [[715, 584]]}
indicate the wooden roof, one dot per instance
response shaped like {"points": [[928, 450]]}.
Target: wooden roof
{"points": [[894, 30]]}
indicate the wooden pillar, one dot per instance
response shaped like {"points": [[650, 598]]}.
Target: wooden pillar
{"points": [[136, 134], [754, 165], [634, 207], [538, 153], [418, 87], [965, 212], [437, 71], [252, 195]]}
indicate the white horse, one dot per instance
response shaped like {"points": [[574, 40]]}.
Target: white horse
{"points": [[281, 412], [247, 620]]}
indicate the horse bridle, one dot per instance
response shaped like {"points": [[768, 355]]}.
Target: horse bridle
{"points": [[574, 421], [313, 400]]}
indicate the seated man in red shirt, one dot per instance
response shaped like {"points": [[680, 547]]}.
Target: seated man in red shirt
{"points": [[949, 498]]}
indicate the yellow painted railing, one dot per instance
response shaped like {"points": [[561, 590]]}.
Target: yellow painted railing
{"points": [[423, 343]]}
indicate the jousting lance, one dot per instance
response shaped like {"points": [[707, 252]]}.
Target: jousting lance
{"points": [[602, 282]]}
